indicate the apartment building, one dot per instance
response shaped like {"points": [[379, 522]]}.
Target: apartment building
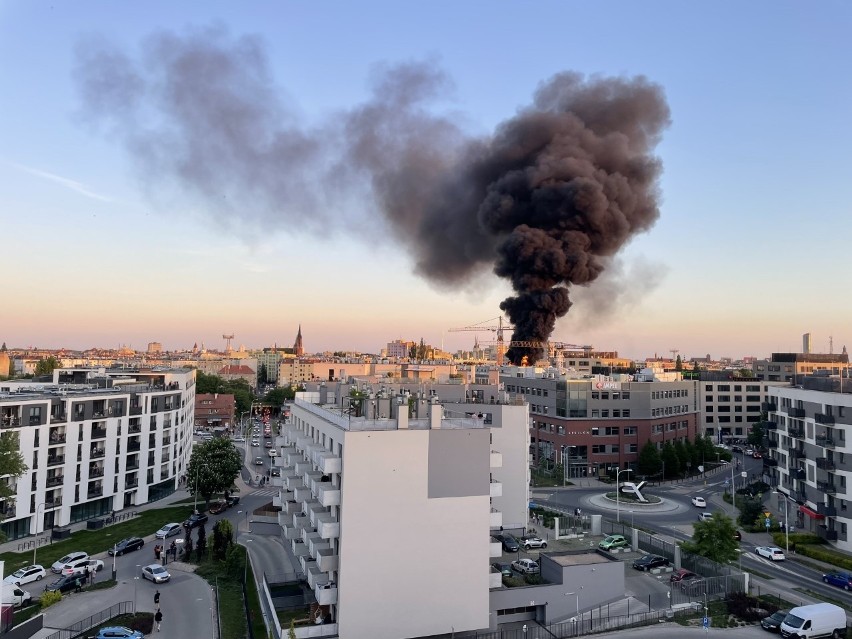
{"points": [[596, 425], [214, 410], [95, 440], [810, 455], [730, 405], [789, 367], [384, 496]]}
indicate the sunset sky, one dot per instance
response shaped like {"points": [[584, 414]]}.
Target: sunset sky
{"points": [[750, 251]]}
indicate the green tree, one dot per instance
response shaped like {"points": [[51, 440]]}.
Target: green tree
{"points": [[213, 467], [206, 384], [11, 463], [201, 544], [695, 367], [755, 435], [670, 460], [683, 459], [649, 462], [223, 538], [262, 374], [751, 510], [421, 350], [714, 538], [3, 348], [689, 454], [45, 366], [291, 633], [277, 396], [678, 364]]}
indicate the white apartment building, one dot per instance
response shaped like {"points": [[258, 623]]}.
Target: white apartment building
{"points": [[95, 440], [810, 461], [729, 406], [390, 512]]}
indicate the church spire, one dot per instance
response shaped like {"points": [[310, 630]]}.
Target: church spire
{"points": [[298, 348]]}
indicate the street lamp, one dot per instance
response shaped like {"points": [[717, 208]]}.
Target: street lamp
{"points": [[568, 594], [786, 521], [240, 512], [618, 492], [195, 492], [135, 584], [35, 547]]}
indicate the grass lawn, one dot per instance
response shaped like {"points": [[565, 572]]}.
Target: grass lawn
{"points": [[23, 614], [255, 611], [232, 614], [98, 541], [143, 621]]}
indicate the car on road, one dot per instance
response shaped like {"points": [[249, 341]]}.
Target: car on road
{"points": [[723, 461], [770, 552], [525, 566], [839, 579], [67, 559], [749, 452], [268, 444], [736, 449], [699, 502], [239, 440], [218, 507], [531, 541], [156, 573], [648, 562], [79, 567], [255, 442], [169, 530], [233, 500], [118, 632], [705, 516], [613, 541], [503, 569], [35, 572], [757, 454], [772, 623], [64, 584], [126, 545], [682, 573], [738, 535], [258, 461], [195, 520], [276, 472], [510, 544]]}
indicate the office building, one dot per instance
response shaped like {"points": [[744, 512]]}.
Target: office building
{"points": [[95, 440], [789, 367]]}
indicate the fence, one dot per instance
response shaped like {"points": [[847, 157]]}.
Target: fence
{"points": [[709, 589], [123, 608]]}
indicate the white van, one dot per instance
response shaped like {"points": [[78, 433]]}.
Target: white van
{"points": [[15, 596], [816, 620]]}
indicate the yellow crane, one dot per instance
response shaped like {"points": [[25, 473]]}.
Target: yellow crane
{"points": [[486, 326]]}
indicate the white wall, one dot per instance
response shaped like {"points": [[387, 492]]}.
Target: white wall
{"points": [[510, 436]]}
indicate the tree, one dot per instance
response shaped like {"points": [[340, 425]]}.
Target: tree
{"points": [[213, 467], [695, 367], [45, 366], [649, 462], [262, 374], [11, 463], [678, 364], [278, 396], [670, 460], [187, 543], [223, 538], [714, 538], [3, 348], [201, 544], [291, 634], [750, 510], [683, 459], [421, 350], [755, 435]]}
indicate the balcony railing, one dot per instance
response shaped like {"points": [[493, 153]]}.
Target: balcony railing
{"points": [[96, 472], [797, 453], [95, 492], [769, 407], [822, 418], [134, 465], [133, 483], [825, 533], [134, 428], [56, 480], [58, 418], [828, 511], [825, 463], [133, 446], [798, 433], [825, 442], [99, 433], [53, 503], [97, 453], [768, 461], [10, 422], [135, 410], [770, 425], [55, 440], [827, 487], [798, 413], [57, 460]]}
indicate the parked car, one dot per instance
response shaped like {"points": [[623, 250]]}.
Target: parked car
{"points": [[79, 567], [736, 449], [738, 535], [195, 520], [156, 573], [233, 500], [705, 516], [680, 574], [65, 583], [510, 544], [276, 472], [770, 552], [772, 623], [525, 566], [839, 579], [749, 452], [272, 452], [504, 569], [699, 502], [218, 507], [692, 583], [613, 541], [126, 545], [118, 632], [67, 559], [531, 541], [169, 530], [258, 461], [648, 562], [25, 575]]}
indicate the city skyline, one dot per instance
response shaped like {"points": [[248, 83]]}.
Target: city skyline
{"points": [[742, 260]]}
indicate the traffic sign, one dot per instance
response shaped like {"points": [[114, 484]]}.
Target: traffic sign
{"points": [[727, 483], [706, 622], [768, 522]]}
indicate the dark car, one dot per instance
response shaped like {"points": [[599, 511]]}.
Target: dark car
{"points": [[692, 584], [219, 507], [510, 544], [839, 579], [276, 472], [736, 449], [650, 561], [198, 519], [126, 545], [63, 584], [233, 500], [504, 569], [772, 623], [738, 535]]}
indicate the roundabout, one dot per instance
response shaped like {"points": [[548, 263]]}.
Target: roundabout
{"points": [[655, 505]]}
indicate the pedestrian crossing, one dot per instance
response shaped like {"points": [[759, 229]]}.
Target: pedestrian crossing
{"points": [[267, 492]]}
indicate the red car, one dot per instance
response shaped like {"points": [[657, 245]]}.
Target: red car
{"points": [[681, 574], [756, 454]]}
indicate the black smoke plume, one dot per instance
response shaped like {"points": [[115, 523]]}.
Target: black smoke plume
{"points": [[544, 201]]}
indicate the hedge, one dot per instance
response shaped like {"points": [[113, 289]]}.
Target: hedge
{"points": [[823, 554], [800, 539]]}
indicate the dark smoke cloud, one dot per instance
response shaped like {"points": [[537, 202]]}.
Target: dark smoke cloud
{"points": [[545, 201]]}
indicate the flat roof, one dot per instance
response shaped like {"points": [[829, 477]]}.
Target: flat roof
{"points": [[579, 559]]}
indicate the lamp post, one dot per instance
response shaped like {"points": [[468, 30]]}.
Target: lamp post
{"points": [[113, 560], [618, 492], [135, 584], [568, 594], [240, 512], [786, 521], [35, 547], [195, 492]]}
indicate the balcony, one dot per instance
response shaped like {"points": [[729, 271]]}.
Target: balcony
{"points": [[329, 463], [496, 519], [134, 428], [56, 480], [300, 520], [99, 433], [797, 453], [327, 560], [770, 425], [299, 547], [827, 487], [328, 495], [825, 442], [56, 460], [828, 511], [97, 453], [131, 483], [96, 471], [316, 544], [135, 410], [329, 529], [302, 494], [56, 440], [326, 594], [496, 459], [769, 462], [496, 489], [825, 533], [822, 418], [58, 418], [769, 407], [495, 548], [132, 465], [52, 503], [495, 579], [133, 447], [95, 492], [290, 532], [825, 463], [798, 413], [798, 433], [10, 422]]}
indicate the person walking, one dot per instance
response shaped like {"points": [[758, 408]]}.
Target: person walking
{"points": [[157, 599], [77, 586], [158, 618]]}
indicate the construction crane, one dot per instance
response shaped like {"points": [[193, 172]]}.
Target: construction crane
{"points": [[674, 352], [227, 339], [549, 347], [483, 326]]}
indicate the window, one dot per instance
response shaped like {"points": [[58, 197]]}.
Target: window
{"points": [[596, 412], [625, 412], [605, 412], [598, 449], [629, 430], [625, 395], [738, 388], [632, 448], [708, 399], [611, 430], [616, 413], [595, 432]]}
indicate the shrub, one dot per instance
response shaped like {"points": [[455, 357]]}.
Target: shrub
{"points": [[47, 599], [749, 608], [823, 554], [800, 539]]}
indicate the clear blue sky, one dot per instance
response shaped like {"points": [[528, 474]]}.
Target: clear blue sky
{"points": [[750, 251]]}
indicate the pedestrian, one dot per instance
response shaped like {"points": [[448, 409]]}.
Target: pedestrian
{"points": [[157, 552], [158, 617], [174, 550], [92, 575], [157, 599], [77, 586], [88, 575]]}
